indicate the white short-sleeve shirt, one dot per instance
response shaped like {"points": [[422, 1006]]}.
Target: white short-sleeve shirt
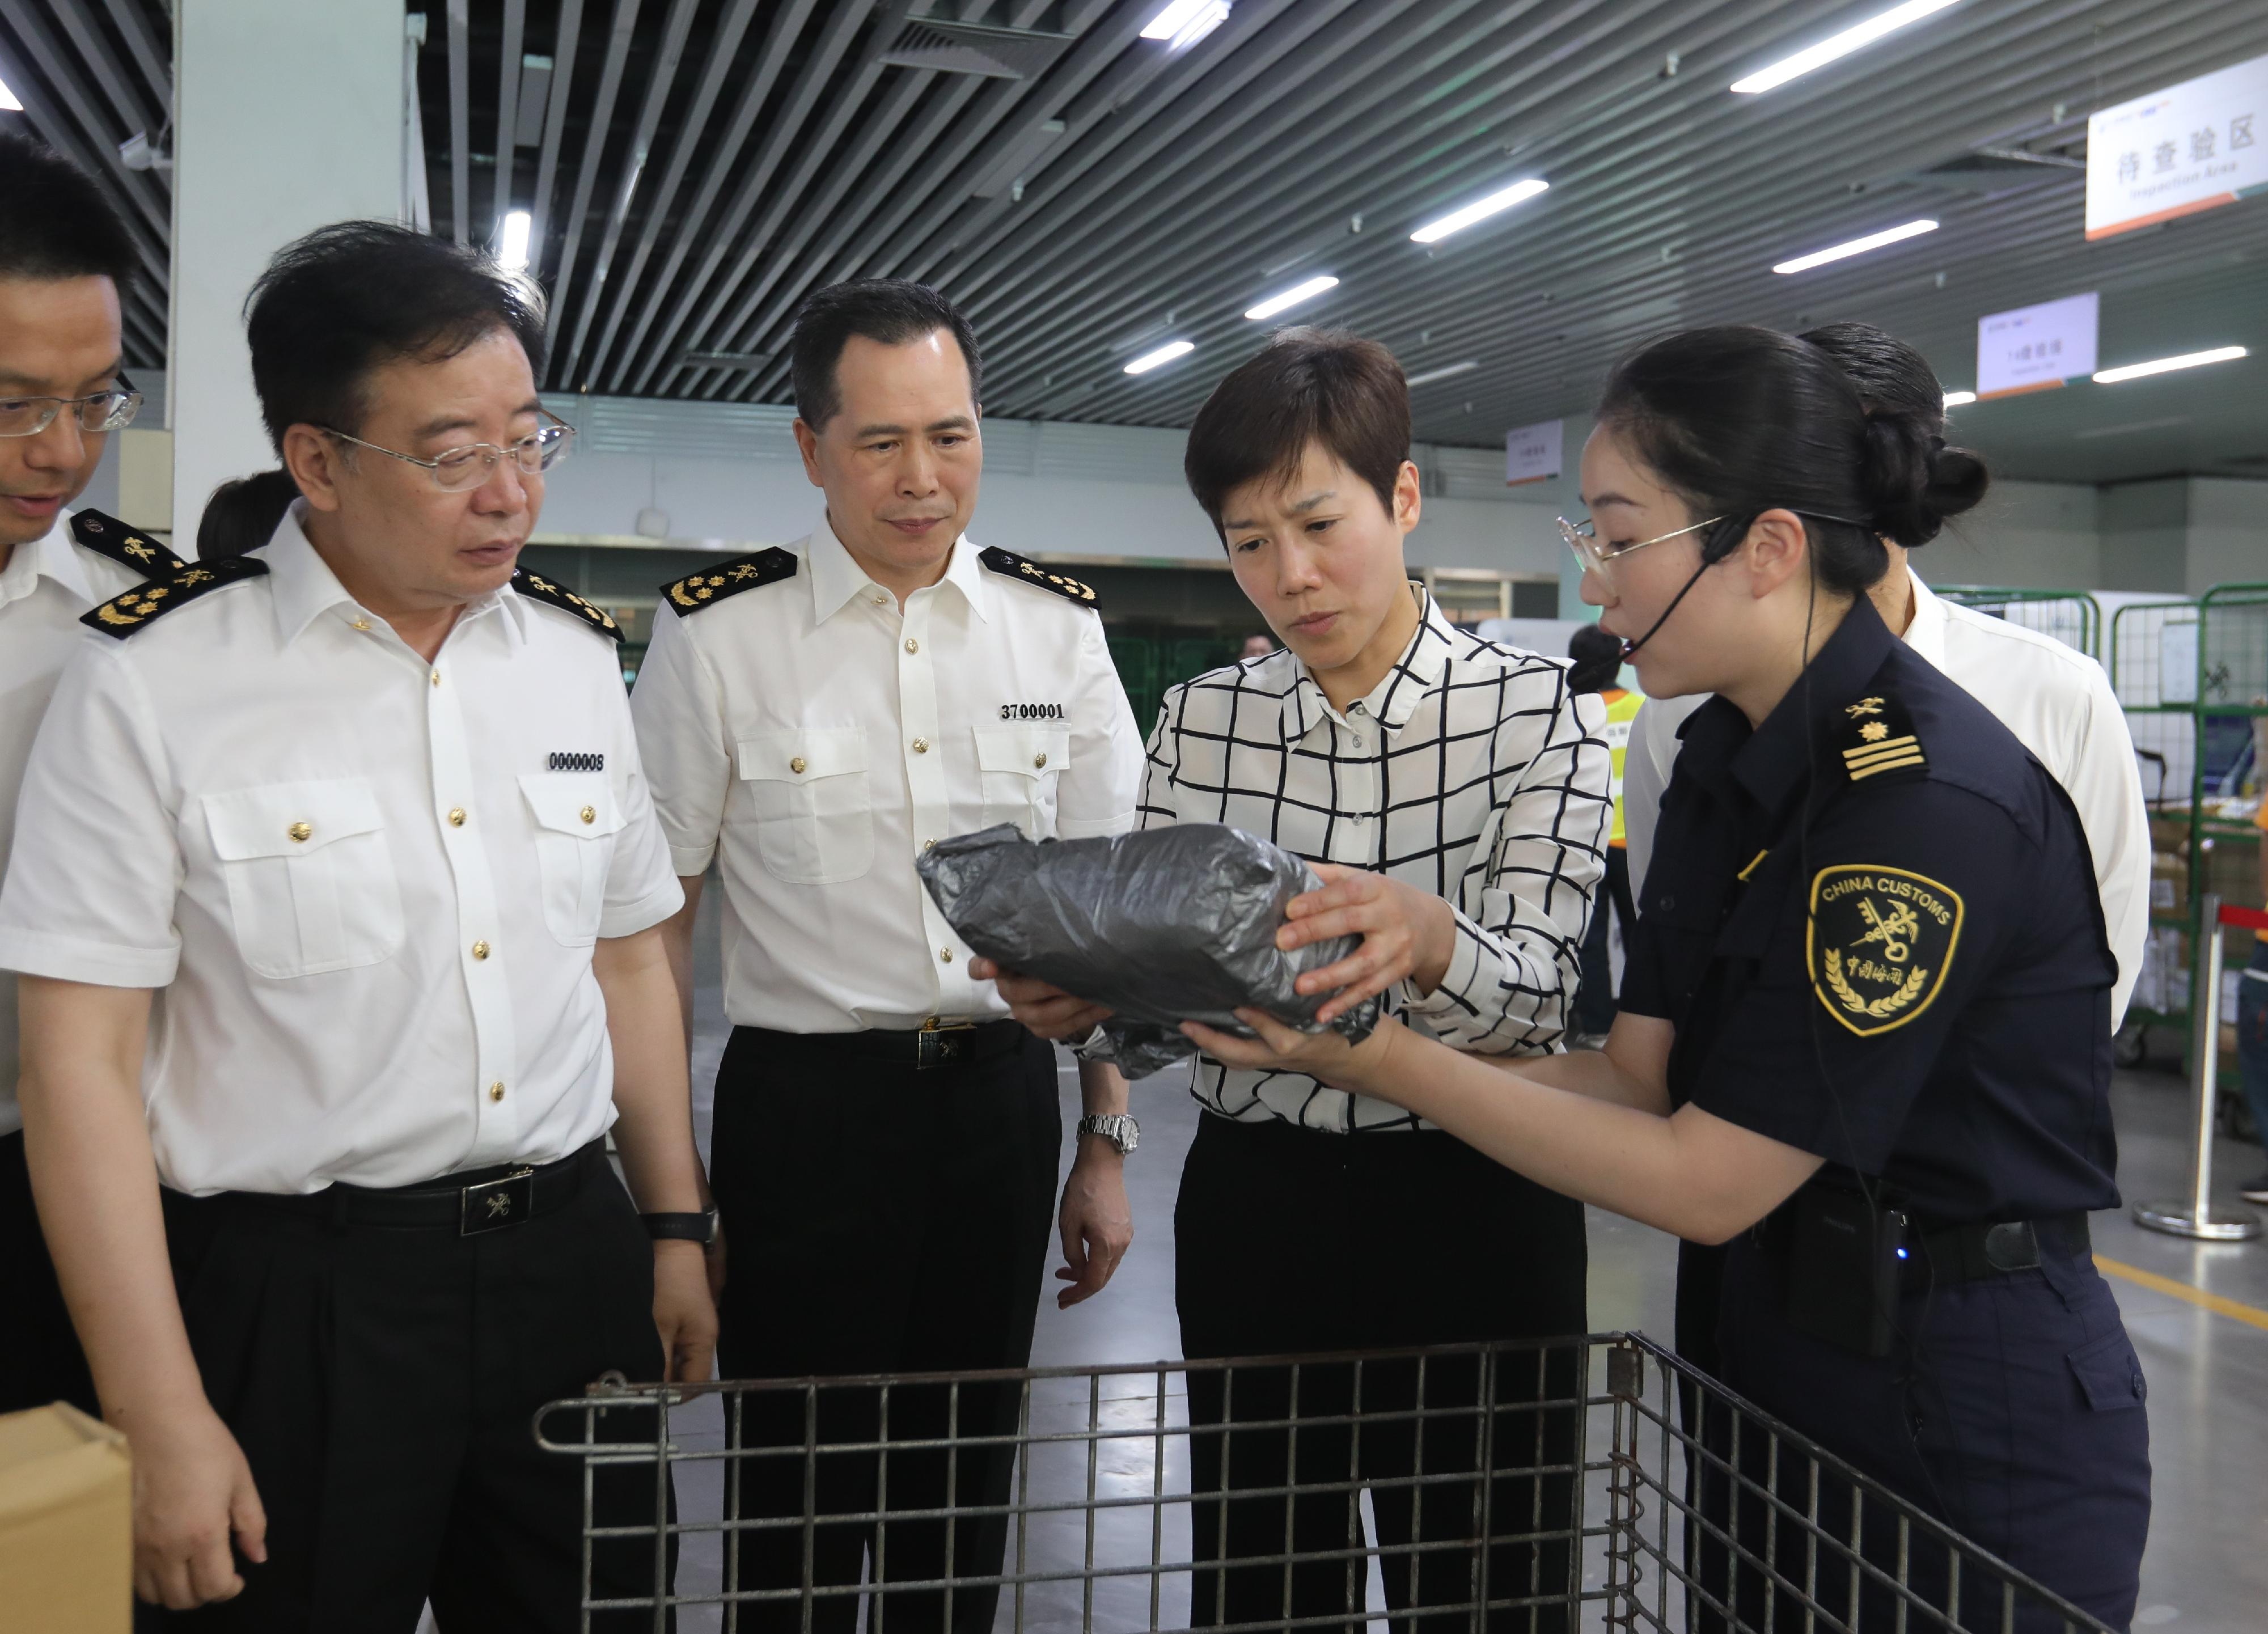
{"points": [[45, 587], [2056, 699], [366, 888], [813, 738]]}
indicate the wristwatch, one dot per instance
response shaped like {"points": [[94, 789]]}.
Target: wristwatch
{"points": [[701, 1228], [1121, 1132]]}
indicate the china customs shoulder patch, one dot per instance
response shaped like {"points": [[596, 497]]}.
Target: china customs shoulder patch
{"points": [[1878, 943]]}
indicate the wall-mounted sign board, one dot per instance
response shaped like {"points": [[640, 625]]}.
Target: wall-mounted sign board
{"points": [[2033, 348], [1531, 453], [2191, 147]]}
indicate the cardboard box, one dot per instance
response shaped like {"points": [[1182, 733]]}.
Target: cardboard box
{"points": [[66, 1524]]}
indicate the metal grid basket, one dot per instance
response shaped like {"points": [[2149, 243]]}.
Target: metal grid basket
{"points": [[2071, 616], [1592, 1483]]}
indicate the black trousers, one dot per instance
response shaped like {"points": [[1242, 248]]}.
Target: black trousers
{"points": [[879, 1218], [1594, 1000], [1292, 1241], [2010, 1407], [39, 1358], [382, 1382]]}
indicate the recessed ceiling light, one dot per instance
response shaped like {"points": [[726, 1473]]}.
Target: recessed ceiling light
{"points": [[511, 244], [1481, 209], [8, 103], [1840, 45], [1856, 246], [1165, 354], [1292, 296], [1954, 399], [1444, 372], [1184, 22], [2166, 365]]}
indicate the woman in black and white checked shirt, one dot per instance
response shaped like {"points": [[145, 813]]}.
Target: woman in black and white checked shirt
{"points": [[1453, 795]]}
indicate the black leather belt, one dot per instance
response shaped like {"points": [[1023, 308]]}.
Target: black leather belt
{"points": [[921, 1048], [1971, 1253], [471, 1203]]}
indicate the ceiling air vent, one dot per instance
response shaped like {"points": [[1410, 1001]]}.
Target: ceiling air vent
{"points": [[1995, 170], [948, 48]]}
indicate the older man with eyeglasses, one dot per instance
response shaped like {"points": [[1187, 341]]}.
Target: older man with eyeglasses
{"points": [[336, 907]]}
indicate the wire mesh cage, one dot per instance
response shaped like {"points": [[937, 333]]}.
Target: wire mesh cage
{"points": [[1582, 1484], [2071, 616]]}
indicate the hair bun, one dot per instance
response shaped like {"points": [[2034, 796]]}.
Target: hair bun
{"points": [[1913, 481]]}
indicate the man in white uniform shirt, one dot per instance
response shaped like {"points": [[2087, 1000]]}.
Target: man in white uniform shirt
{"points": [[2056, 699], [350, 830], [65, 261], [1453, 795], [885, 1155]]}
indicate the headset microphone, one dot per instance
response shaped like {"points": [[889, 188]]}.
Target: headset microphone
{"points": [[1715, 548]]}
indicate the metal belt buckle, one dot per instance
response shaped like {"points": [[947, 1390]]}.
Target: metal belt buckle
{"points": [[941, 1043], [494, 1204]]}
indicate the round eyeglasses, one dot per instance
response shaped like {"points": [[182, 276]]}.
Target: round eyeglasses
{"points": [[1583, 539], [101, 411], [460, 469]]}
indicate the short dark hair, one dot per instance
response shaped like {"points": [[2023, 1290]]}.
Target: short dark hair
{"points": [[56, 222], [353, 296], [1306, 386], [1598, 660], [894, 312], [1887, 373], [1740, 420]]}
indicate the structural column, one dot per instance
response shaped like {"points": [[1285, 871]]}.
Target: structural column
{"points": [[287, 115]]}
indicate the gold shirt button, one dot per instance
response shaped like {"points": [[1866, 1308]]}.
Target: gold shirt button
{"points": [[495, 1092], [436, 677], [360, 624], [456, 817], [1038, 760], [921, 746], [929, 845], [301, 831], [480, 949], [589, 814], [946, 954], [912, 645], [881, 600], [797, 765]]}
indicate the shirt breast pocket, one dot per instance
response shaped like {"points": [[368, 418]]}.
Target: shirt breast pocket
{"points": [[575, 822], [1018, 766], [812, 805], [311, 880]]}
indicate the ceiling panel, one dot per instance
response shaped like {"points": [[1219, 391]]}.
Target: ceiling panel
{"points": [[696, 166]]}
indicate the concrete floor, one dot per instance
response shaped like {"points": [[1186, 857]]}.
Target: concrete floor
{"points": [[2206, 1569]]}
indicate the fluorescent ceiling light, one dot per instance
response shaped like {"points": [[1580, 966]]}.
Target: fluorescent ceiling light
{"points": [[1184, 22], [2166, 365], [1481, 211], [1856, 246], [8, 103], [1165, 354], [512, 245], [1443, 373], [1841, 45], [1292, 296], [1954, 399]]}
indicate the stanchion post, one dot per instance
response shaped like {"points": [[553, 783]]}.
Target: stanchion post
{"points": [[2195, 1217]]}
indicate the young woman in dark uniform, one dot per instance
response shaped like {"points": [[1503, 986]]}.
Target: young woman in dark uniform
{"points": [[1869, 987]]}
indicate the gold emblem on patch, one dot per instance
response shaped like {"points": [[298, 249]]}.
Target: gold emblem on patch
{"points": [[1879, 942]]}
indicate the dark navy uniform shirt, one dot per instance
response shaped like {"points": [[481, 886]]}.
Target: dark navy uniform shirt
{"points": [[1872, 921]]}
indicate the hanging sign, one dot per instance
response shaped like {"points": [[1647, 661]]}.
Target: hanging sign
{"points": [[1531, 453], [2196, 145], [2033, 348]]}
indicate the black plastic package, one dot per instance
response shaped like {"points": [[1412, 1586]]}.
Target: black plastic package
{"points": [[1171, 925]]}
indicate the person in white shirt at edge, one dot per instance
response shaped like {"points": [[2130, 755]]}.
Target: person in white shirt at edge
{"points": [[66, 262], [887, 1138], [337, 906], [1452, 793], [2055, 699]]}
